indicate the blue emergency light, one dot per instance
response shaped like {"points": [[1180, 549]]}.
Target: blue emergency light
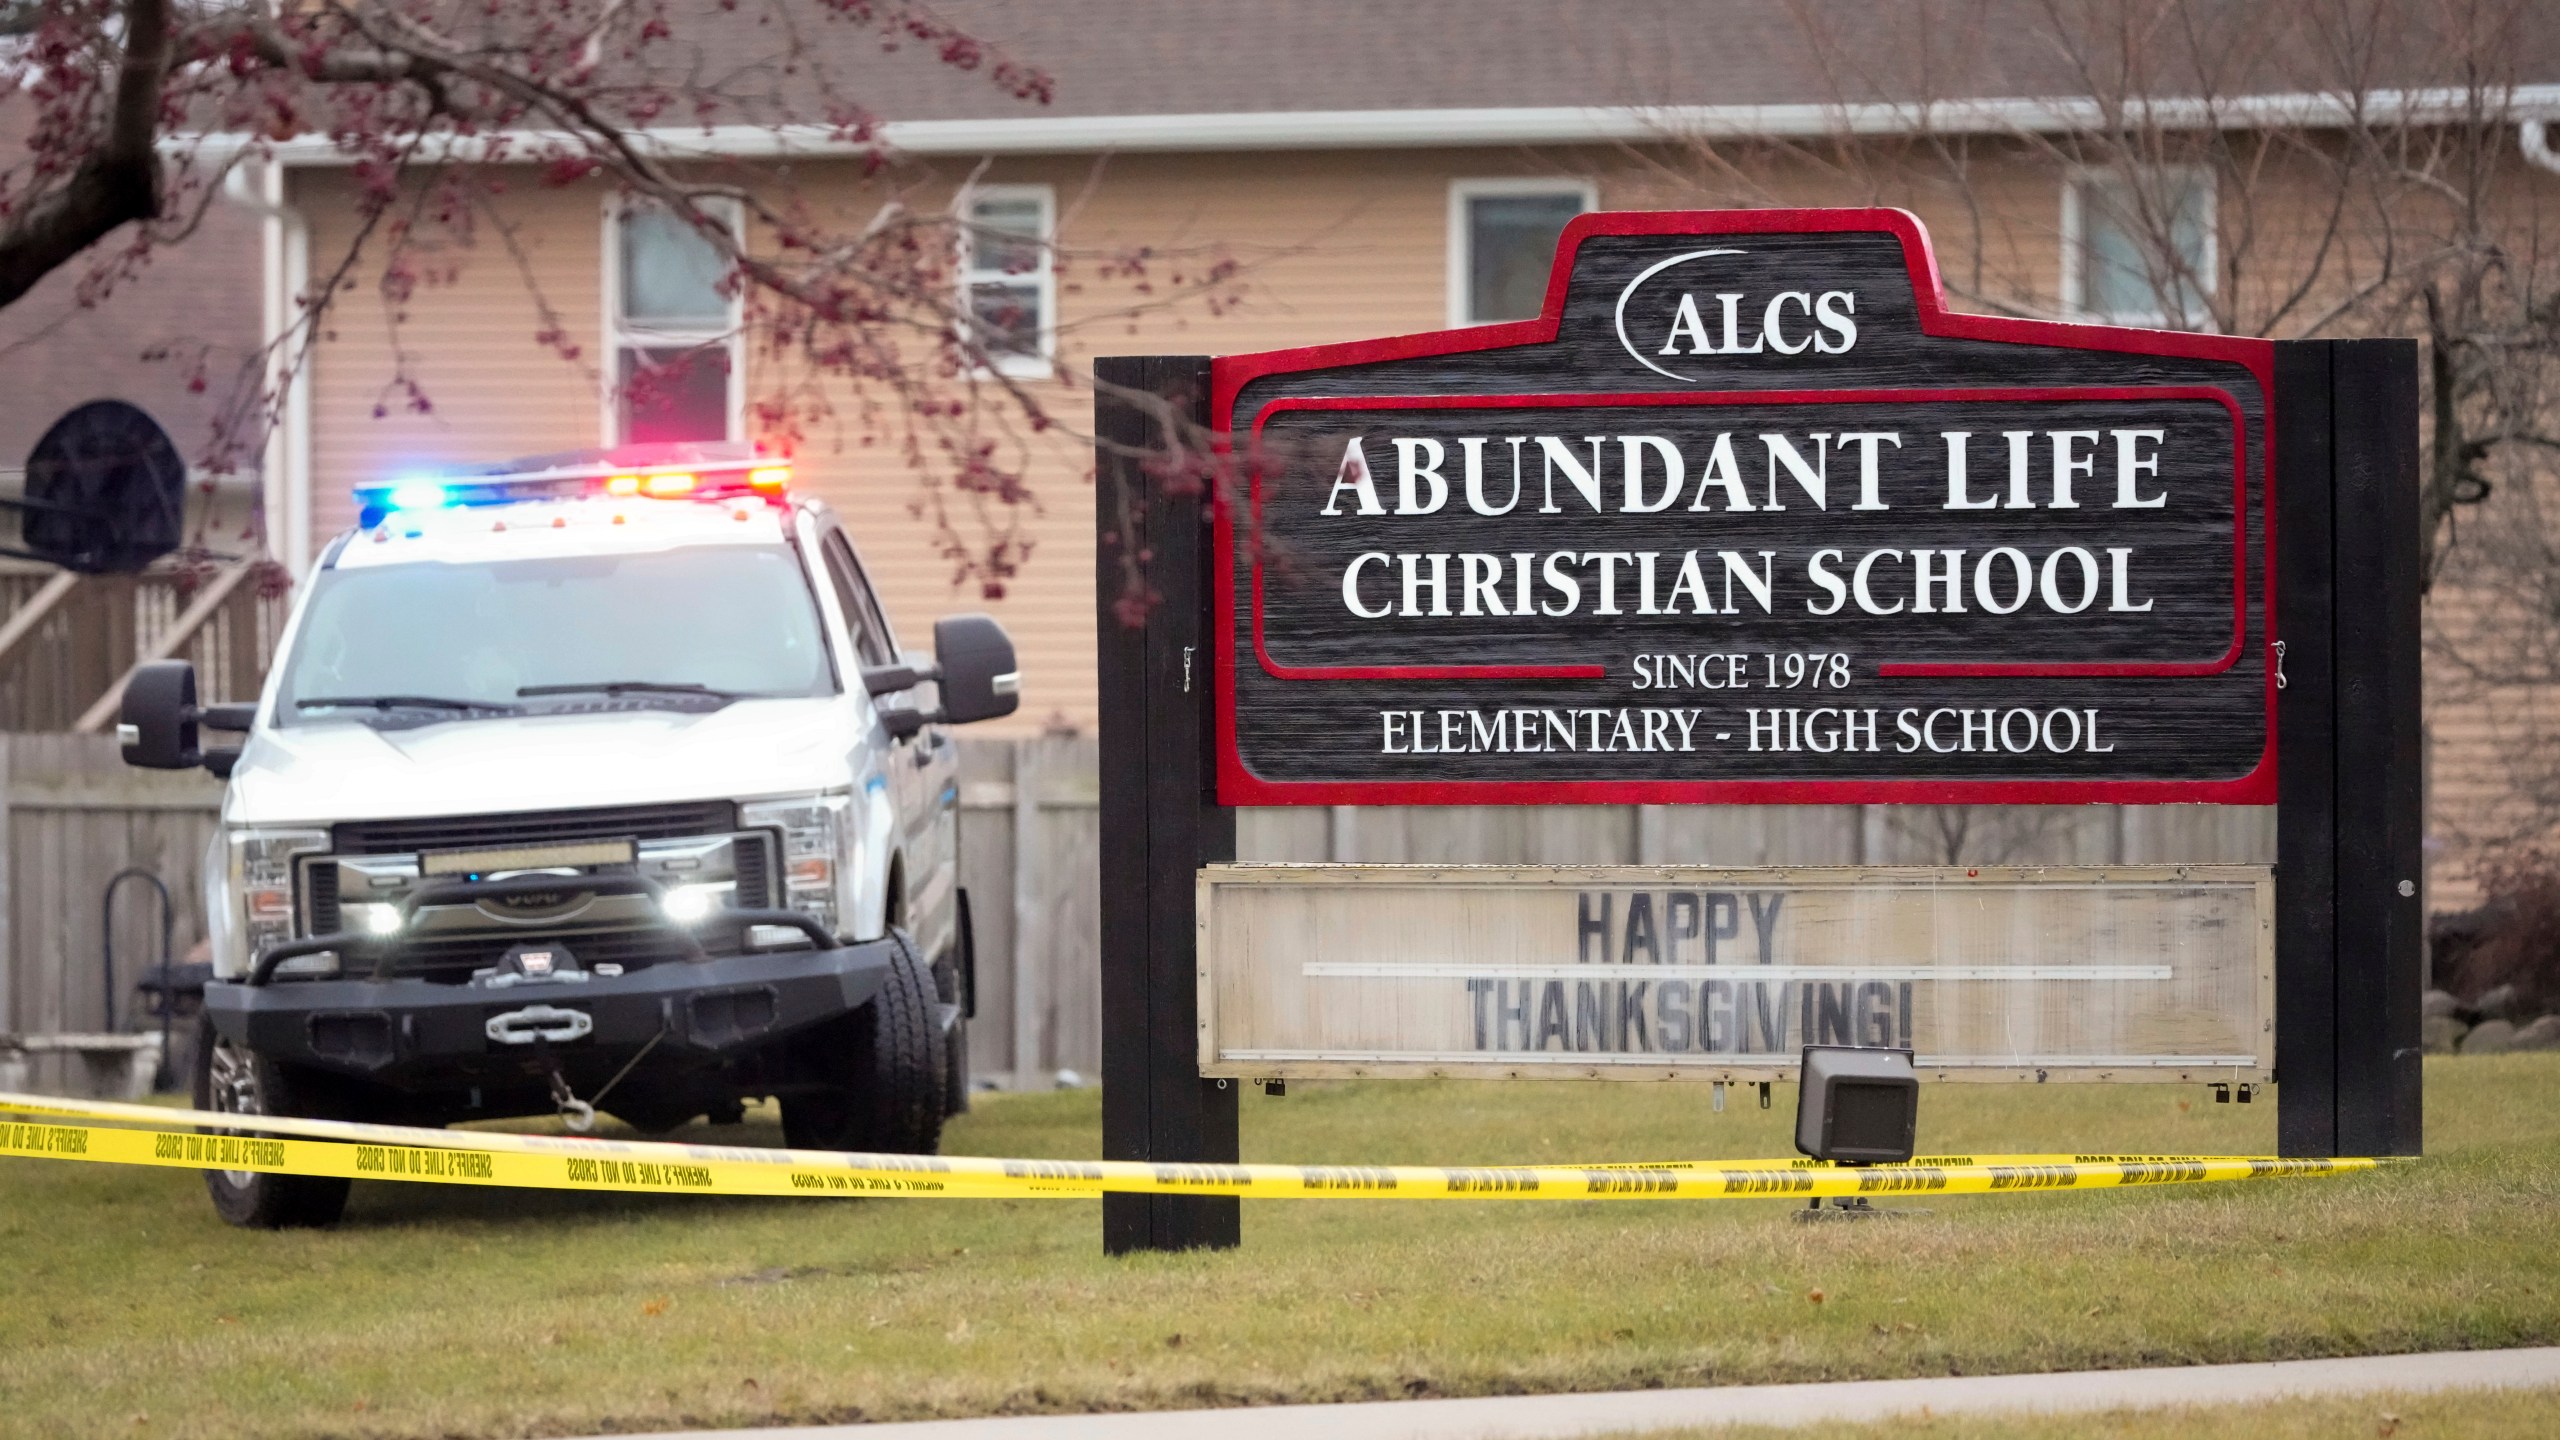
{"points": [[660, 472], [416, 495]]}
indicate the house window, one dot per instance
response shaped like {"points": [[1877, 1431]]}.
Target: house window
{"points": [[1502, 243], [675, 331], [2138, 245], [1006, 280]]}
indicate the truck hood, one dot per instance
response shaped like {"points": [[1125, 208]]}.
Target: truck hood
{"points": [[349, 770]]}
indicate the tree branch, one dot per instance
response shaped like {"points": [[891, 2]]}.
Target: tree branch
{"points": [[116, 183]]}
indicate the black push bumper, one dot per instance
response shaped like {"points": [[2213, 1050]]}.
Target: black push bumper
{"points": [[417, 1035]]}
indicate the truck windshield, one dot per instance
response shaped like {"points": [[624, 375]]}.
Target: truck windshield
{"points": [[682, 628]]}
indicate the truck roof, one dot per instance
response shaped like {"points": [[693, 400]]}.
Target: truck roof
{"points": [[539, 528]]}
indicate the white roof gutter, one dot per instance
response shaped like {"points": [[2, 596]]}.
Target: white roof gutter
{"points": [[1555, 125]]}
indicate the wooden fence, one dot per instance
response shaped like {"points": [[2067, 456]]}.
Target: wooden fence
{"points": [[71, 816], [67, 640], [1030, 835]]}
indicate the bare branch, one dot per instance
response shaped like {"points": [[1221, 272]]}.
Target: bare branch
{"points": [[116, 183]]}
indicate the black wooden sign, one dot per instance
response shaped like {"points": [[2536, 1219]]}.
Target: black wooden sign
{"points": [[1748, 515]]}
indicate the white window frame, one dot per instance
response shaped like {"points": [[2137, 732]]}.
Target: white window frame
{"points": [[1461, 251], [2075, 251], [1042, 365], [618, 336]]}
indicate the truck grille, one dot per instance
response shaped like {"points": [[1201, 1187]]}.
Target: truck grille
{"points": [[751, 860], [451, 958], [479, 832], [451, 961]]}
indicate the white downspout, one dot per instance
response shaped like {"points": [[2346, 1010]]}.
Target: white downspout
{"points": [[2535, 137], [284, 274]]}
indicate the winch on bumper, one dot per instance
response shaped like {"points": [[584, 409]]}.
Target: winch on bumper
{"points": [[539, 1007]]}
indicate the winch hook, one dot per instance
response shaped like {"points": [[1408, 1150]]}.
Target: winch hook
{"points": [[577, 1114]]}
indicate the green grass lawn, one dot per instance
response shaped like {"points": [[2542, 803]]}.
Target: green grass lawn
{"points": [[128, 1309]]}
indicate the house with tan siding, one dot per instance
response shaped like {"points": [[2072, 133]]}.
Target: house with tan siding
{"points": [[1369, 170], [178, 339]]}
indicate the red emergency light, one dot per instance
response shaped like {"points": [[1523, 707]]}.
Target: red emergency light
{"points": [[663, 472]]}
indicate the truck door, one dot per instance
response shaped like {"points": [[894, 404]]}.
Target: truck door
{"points": [[921, 769]]}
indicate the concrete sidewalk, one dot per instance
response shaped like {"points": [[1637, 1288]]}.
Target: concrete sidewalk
{"points": [[1551, 1417]]}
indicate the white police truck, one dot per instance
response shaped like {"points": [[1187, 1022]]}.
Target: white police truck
{"points": [[590, 781]]}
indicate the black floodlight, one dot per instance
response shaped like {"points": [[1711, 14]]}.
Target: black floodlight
{"points": [[1857, 1105]]}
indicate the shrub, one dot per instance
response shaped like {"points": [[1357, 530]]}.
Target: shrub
{"points": [[2518, 937]]}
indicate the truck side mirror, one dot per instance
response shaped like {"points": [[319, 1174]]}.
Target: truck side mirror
{"points": [[157, 721], [161, 726], [980, 680]]}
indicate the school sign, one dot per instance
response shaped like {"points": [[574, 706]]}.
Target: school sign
{"points": [[1747, 515]]}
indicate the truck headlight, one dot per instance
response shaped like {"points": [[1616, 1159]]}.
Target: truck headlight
{"points": [[370, 917], [262, 880], [689, 904], [815, 831]]}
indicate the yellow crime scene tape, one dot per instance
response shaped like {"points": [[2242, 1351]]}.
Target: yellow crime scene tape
{"points": [[123, 1134]]}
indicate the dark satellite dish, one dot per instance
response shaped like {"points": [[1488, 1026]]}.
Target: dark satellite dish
{"points": [[106, 491]]}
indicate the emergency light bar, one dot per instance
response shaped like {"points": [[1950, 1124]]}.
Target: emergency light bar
{"points": [[664, 472]]}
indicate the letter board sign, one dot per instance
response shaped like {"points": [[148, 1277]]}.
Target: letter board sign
{"points": [[1747, 514], [2154, 972]]}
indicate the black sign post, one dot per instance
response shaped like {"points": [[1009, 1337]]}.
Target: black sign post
{"points": [[1748, 515], [1161, 820], [2350, 931]]}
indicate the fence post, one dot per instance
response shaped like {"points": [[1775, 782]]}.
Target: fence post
{"points": [[1028, 962], [8, 954], [1341, 833], [1652, 821]]}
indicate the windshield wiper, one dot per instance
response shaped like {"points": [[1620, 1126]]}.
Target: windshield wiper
{"points": [[401, 702], [637, 687]]}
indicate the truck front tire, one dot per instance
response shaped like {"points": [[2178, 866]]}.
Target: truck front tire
{"points": [[881, 1068], [238, 1081]]}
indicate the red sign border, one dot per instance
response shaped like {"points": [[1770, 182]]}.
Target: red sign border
{"points": [[1890, 669], [1229, 374]]}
